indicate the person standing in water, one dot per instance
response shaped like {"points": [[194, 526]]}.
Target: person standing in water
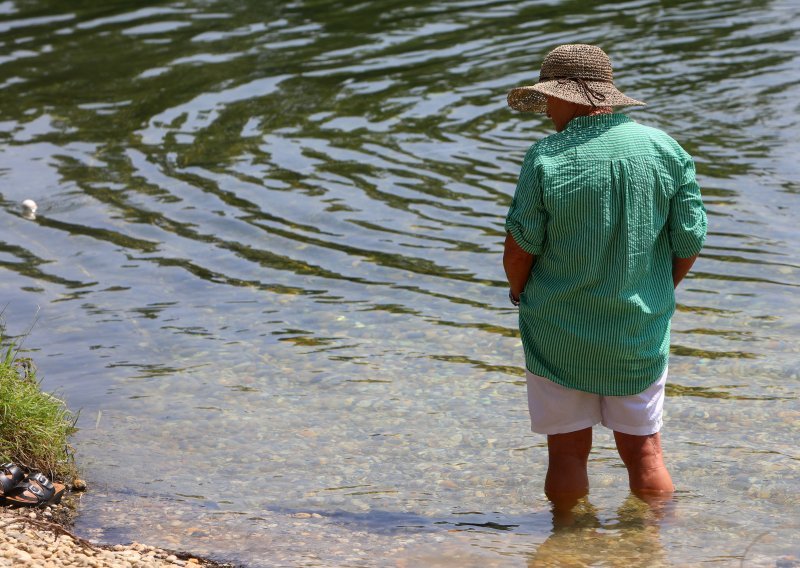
{"points": [[605, 222]]}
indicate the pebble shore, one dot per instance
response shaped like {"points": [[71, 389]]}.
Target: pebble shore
{"points": [[30, 538]]}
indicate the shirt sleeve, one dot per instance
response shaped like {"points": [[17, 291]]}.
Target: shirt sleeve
{"points": [[527, 218], [687, 215]]}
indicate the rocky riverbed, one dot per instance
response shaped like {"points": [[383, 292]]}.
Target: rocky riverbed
{"points": [[38, 538]]}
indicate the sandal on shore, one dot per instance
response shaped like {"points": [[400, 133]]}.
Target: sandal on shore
{"points": [[10, 476], [35, 491]]}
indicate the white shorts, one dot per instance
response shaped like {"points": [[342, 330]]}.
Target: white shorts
{"points": [[556, 409]]}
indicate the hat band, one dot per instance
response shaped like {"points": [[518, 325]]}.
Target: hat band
{"points": [[590, 93]]}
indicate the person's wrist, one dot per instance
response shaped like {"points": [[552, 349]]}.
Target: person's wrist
{"points": [[514, 301]]}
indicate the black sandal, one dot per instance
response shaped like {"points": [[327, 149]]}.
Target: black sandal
{"points": [[10, 476], [36, 491]]}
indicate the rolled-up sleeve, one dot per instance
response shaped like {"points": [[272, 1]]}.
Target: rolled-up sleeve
{"points": [[687, 215], [527, 218]]}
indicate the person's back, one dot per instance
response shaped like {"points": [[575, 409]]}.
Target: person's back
{"points": [[602, 284], [605, 222]]}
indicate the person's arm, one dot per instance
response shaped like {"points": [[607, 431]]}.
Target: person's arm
{"points": [[687, 223], [680, 268], [518, 264]]}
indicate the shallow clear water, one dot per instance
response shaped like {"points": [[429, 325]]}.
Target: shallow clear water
{"points": [[267, 270]]}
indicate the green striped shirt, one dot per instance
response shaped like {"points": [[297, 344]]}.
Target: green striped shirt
{"points": [[604, 205]]}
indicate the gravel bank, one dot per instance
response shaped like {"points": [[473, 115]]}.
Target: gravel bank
{"points": [[29, 538]]}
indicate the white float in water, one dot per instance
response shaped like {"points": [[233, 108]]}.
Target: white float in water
{"points": [[29, 208]]}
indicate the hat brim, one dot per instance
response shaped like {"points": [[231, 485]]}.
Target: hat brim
{"points": [[533, 98]]}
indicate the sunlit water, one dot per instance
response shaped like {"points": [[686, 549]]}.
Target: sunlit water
{"points": [[267, 264]]}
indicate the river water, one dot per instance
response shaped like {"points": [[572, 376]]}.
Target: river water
{"points": [[266, 267]]}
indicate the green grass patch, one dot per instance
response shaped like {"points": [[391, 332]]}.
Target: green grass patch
{"points": [[34, 425]]}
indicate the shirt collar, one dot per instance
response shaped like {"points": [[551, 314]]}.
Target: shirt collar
{"points": [[599, 119]]}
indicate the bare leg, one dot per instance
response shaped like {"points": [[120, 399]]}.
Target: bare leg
{"points": [[567, 479], [647, 474]]}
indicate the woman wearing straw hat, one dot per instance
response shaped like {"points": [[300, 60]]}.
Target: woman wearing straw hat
{"points": [[605, 222]]}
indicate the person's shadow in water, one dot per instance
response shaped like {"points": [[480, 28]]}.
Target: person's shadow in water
{"points": [[579, 538]]}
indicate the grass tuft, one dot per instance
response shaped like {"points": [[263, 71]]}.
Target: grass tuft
{"points": [[34, 425]]}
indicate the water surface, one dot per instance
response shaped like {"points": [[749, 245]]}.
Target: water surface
{"points": [[267, 270]]}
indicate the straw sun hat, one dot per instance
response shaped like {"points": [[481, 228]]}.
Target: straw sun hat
{"points": [[577, 73]]}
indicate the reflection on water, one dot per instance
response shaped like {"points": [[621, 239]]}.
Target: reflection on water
{"points": [[630, 539], [267, 256]]}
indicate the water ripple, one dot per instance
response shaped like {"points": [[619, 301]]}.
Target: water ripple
{"points": [[284, 220]]}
